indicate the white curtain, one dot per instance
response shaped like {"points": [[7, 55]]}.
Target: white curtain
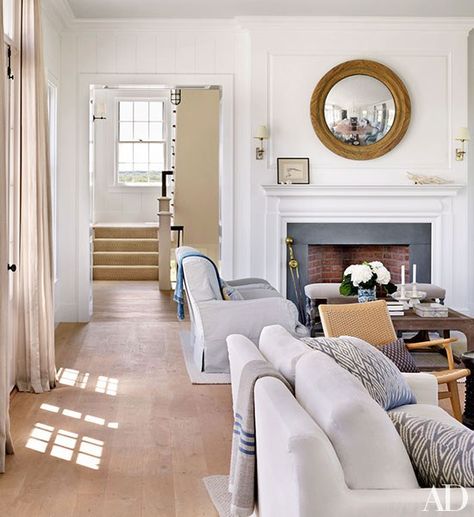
{"points": [[35, 347], [5, 438]]}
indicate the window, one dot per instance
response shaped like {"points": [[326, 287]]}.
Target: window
{"points": [[142, 141], [8, 18]]}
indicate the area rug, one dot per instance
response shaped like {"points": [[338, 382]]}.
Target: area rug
{"points": [[217, 488], [195, 375]]}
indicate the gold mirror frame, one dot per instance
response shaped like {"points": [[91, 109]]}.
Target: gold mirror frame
{"points": [[400, 97]]}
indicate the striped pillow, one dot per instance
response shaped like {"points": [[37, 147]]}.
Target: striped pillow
{"points": [[440, 454]]}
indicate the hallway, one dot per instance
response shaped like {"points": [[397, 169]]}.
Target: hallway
{"points": [[124, 432]]}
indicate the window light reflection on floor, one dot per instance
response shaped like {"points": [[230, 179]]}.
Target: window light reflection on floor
{"points": [[66, 445], [71, 377], [106, 385], [77, 415]]}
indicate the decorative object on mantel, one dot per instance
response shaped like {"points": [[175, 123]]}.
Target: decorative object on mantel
{"points": [[463, 136], [421, 179], [360, 109], [294, 267], [293, 171], [362, 279]]}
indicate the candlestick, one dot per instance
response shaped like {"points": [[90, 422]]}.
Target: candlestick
{"points": [[403, 275], [414, 273]]}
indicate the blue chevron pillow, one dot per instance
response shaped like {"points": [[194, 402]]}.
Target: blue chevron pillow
{"points": [[382, 379], [441, 454]]}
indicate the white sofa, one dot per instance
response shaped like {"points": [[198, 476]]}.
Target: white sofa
{"points": [[213, 318], [299, 472]]}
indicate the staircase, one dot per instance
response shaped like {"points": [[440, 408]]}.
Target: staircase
{"points": [[125, 253]]}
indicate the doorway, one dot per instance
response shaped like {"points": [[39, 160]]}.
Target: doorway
{"points": [[136, 133]]}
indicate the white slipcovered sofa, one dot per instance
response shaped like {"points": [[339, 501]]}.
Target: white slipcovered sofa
{"points": [[213, 318], [300, 474]]}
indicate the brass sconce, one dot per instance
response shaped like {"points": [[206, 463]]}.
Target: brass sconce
{"points": [[463, 136], [261, 134]]}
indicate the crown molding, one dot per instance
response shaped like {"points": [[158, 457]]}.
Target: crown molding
{"points": [[155, 24], [59, 12], [330, 23]]}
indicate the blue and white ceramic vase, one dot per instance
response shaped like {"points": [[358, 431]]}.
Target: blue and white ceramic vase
{"points": [[366, 295]]}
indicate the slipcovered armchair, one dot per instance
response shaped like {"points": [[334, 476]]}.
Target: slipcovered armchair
{"points": [[213, 318]]}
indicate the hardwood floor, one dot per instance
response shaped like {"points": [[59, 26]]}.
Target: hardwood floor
{"points": [[125, 432]]}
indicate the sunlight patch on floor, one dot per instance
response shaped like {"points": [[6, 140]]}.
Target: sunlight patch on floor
{"points": [[106, 385], [71, 377], [76, 415], [66, 445]]}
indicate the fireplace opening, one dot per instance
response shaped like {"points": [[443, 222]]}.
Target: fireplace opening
{"points": [[327, 262]]}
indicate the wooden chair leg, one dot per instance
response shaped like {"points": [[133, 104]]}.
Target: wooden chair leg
{"points": [[455, 402]]}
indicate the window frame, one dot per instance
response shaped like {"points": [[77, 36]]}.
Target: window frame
{"points": [[166, 137]]}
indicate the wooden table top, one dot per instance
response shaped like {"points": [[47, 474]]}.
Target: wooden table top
{"points": [[413, 316]]}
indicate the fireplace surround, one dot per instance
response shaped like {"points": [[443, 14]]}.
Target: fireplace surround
{"points": [[324, 250], [442, 207]]}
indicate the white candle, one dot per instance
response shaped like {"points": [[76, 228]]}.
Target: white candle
{"points": [[403, 274], [414, 273]]}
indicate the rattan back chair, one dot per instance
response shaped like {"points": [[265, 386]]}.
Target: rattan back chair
{"points": [[372, 322]]}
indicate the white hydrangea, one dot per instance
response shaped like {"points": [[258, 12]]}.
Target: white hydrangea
{"points": [[383, 275], [376, 264], [360, 273]]}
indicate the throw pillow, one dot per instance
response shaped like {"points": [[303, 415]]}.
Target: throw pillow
{"points": [[377, 373], [230, 293], [400, 355], [441, 454]]}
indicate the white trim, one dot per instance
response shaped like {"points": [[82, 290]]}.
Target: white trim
{"points": [[449, 189]]}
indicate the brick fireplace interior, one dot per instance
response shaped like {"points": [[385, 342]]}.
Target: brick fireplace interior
{"points": [[327, 262]]}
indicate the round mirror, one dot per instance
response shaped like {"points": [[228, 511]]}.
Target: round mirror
{"points": [[360, 110]]}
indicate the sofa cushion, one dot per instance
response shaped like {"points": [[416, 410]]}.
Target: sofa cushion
{"points": [[399, 354], [377, 373], [441, 454], [370, 450], [282, 350]]}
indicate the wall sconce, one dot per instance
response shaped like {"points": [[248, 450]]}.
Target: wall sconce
{"points": [[175, 96], [261, 134], [100, 111], [463, 136]]}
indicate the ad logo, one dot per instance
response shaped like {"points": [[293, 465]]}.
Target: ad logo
{"points": [[434, 501]]}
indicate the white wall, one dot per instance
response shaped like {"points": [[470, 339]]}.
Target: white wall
{"points": [[273, 65]]}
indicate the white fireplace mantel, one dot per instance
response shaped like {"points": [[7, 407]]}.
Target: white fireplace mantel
{"points": [[365, 204], [443, 190]]}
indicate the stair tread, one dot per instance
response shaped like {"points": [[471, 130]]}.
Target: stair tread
{"points": [[125, 266], [126, 252]]}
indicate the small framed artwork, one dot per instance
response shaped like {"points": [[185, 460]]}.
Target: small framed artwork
{"points": [[292, 171]]}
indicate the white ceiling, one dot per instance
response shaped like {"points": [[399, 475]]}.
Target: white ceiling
{"points": [[233, 8]]}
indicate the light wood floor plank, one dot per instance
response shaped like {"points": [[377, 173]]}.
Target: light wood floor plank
{"points": [[131, 412]]}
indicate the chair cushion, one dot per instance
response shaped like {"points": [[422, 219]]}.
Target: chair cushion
{"points": [[371, 452], [399, 354], [441, 454], [378, 374], [230, 293]]}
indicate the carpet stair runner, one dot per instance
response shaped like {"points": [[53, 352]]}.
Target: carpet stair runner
{"points": [[125, 253]]}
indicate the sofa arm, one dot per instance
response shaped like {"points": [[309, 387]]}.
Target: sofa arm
{"points": [[299, 474], [241, 351], [424, 386], [247, 281], [247, 317]]}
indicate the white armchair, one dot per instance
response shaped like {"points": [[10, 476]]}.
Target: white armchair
{"points": [[213, 318]]}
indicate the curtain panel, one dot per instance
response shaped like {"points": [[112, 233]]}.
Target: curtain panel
{"points": [[6, 446], [35, 345]]}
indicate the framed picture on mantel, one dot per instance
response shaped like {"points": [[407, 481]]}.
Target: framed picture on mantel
{"points": [[292, 171]]}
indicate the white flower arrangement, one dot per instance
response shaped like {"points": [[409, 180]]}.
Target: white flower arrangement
{"points": [[366, 276]]}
